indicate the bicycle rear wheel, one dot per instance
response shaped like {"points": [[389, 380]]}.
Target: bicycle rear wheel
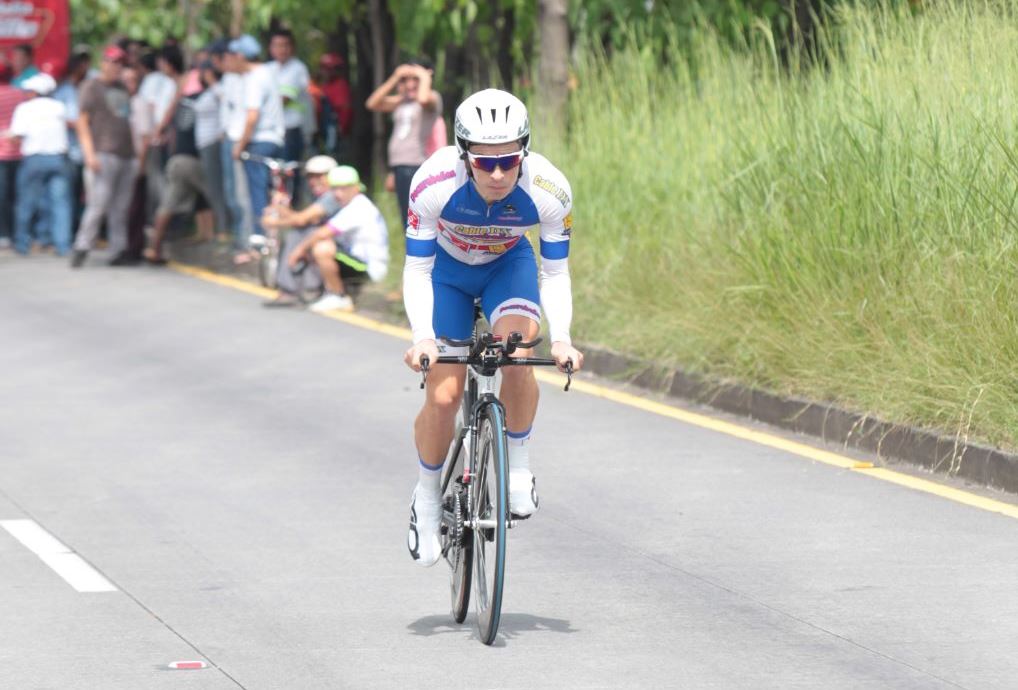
{"points": [[458, 546], [489, 490]]}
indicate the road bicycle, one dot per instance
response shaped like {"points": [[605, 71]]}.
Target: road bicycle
{"points": [[475, 481], [268, 245]]}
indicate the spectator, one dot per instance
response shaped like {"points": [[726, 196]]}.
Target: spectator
{"points": [[230, 91], [263, 128], [157, 92], [302, 223], [352, 247], [414, 108], [10, 155], [142, 129], [185, 184], [42, 185], [293, 79], [22, 67], [105, 133], [67, 93], [208, 135], [335, 107]]}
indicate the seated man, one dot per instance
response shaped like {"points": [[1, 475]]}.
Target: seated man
{"points": [[352, 246], [301, 224]]}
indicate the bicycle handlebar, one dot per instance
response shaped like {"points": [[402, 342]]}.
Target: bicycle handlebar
{"points": [[274, 164], [502, 361]]}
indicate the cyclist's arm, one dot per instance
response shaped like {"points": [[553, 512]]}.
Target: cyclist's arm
{"points": [[556, 230]]}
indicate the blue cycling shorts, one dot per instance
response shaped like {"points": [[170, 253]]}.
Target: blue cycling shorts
{"points": [[506, 286]]}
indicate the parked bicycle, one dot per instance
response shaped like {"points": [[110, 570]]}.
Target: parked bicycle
{"points": [[475, 481], [268, 245]]}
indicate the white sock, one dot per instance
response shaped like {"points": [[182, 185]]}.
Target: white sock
{"points": [[519, 451], [429, 477]]}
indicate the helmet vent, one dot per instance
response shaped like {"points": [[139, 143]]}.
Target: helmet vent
{"points": [[480, 115], [493, 115]]}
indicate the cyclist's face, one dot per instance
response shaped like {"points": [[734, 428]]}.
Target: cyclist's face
{"points": [[318, 184], [496, 184]]}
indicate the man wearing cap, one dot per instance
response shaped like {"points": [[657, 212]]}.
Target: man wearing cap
{"points": [[263, 124], [291, 281], [42, 183], [104, 131], [353, 245]]}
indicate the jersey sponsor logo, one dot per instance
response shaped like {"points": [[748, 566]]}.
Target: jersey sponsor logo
{"points": [[520, 306], [430, 180], [509, 208], [490, 232], [413, 222], [552, 188], [567, 225], [487, 248]]}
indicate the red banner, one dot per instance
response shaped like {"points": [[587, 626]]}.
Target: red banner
{"points": [[43, 24]]}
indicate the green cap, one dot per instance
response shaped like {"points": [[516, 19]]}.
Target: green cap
{"points": [[344, 176]]}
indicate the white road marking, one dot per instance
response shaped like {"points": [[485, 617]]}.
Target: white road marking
{"points": [[61, 559]]}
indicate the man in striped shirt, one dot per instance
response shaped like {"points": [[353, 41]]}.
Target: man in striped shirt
{"points": [[10, 155]]}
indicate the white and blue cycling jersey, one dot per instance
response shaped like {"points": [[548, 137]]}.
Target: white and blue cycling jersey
{"points": [[459, 248]]}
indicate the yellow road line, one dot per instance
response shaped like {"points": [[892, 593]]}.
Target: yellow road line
{"points": [[703, 421]]}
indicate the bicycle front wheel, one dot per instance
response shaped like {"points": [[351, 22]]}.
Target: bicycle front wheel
{"points": [[458, 545], [490, 507]]}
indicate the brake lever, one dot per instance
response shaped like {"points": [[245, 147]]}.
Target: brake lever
{"points": [[569, 374], [425, 363]]}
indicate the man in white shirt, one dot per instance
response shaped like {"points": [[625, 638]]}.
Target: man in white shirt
{"points": [[157, 92], [353, 246], [43, 184], [293, 79], [230, 90], [263, 124]]}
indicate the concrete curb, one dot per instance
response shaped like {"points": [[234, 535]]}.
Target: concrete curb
{"points": [[940, 453]]}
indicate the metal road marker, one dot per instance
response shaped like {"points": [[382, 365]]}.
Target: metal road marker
{"points": [[703, 421]]}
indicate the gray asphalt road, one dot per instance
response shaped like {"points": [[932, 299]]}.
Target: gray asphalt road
{"points": [[242, 477]]}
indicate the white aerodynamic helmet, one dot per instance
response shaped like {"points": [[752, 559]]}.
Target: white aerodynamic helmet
{"points": [[491, 117]]}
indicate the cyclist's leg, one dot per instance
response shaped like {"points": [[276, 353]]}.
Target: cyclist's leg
{"points": [[511, 301], [435, 424]]}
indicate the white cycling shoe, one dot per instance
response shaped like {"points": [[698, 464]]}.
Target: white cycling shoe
{"points": [[423, 538], [523, 499]]}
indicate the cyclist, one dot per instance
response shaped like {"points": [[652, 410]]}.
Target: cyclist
{"points": [[470, 207]]}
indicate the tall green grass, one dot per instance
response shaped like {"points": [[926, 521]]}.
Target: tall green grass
{"points": [[845, 232]]}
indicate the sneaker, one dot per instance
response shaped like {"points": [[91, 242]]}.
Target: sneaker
{"points": [[523, 499], [78, 257], [332, 302], [425, 526]]}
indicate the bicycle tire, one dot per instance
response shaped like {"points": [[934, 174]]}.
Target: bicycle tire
{"points": [[489, 489], [268, 265], [460, 557]]}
